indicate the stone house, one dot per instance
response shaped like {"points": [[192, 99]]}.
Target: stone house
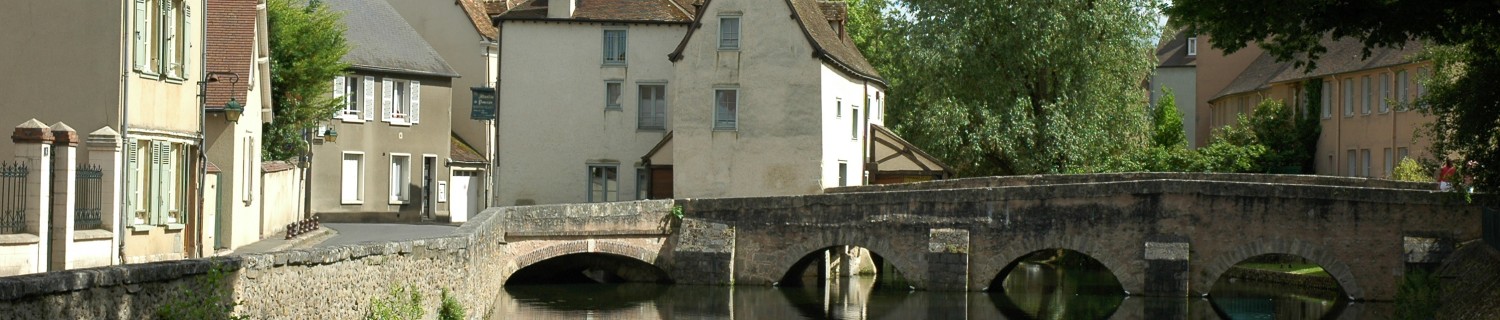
{"points": [[462, 34], [238, 63], [1364, 105], [382, 158], [745, 103]]}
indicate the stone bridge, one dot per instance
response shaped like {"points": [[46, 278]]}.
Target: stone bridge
{"points": [[1160, 234]]}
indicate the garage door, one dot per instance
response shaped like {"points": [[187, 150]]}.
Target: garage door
{"points": [[463, 200]]}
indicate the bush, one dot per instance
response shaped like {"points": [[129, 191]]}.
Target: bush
{"points": [[1409, 170], [451, 309], [403, 303]]}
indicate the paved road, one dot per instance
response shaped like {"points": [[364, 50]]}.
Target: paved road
{"points": [[351, 233]]}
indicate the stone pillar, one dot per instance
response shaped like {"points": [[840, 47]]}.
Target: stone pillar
{"points": [[704, 253], [33, 142], [104, 151], [64, 195], [948, 260], [1166, 266]]}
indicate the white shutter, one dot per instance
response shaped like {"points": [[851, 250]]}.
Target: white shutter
{"points": [[187, 41], [141, 32], [385, 100], [416, 102], [369, 106], [338, 95]]}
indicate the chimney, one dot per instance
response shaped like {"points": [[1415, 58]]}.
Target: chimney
{"points": [[561, 9], [836, 12]]}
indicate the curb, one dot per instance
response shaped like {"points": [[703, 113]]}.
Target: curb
{"points": [[307, 239]]}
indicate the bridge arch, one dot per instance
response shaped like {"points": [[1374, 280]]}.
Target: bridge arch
{"points": [[1218, 264], [563, 248], [904, 259], [1123, 265]]}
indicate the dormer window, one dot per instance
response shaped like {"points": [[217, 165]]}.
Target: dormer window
{"points": [[1192, 46]]}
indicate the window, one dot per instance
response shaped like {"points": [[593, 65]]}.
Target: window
{"points": [[1348, 97], [604, 184], [1327, 104], [1368, 95], [401, 101], [729, 33], [854, 121], [1402, 94], [1390, 162], [726, 109], [612, 95], [614, 47], [1192, 46], [352, 91], [400, 178], [1401, 154], [156, 177], [1365, 154], [843, 173], [1385, 93], [161, 38], [247, 177], [653, 107], [1353, 164], [642, 183], [838, 107], [352, 187]]}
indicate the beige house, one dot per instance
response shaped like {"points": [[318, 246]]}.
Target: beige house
{"points": [[384, 157], [1365, 104], [461, 32], [129, 72], [720, 98], [238, 63]]}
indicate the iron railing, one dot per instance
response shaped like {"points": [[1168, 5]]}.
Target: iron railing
{"points": [[13, 197], [89, 201]]}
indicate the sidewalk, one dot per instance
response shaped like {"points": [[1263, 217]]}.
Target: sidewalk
{"points": [[278, 242], [334, 234]]}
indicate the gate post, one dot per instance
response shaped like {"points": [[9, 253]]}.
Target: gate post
{"points": [[104, 151], [33, 148], [64, 198]]}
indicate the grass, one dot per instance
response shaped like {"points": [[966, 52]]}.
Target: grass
{"points": [[1292, 268]]}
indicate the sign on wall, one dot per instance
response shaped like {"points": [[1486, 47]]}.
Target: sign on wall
{"points": [[484, 104]]}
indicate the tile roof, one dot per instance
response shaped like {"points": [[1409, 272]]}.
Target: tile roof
{"points": [[1257, 76], [379, 39], [1173, 52], [1343, 56], [461, 152], [276, 166], [827, 44], [479, 15], [229, 48], [666, 11]]}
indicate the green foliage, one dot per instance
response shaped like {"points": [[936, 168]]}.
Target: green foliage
{"points": [[1465, 108], [1409, 170], [677, 212], [1290, 142], [1057, 91], [1417, 298], [1166, 123], [211, 298], [403, 303], [451, 309], [307, 45]]}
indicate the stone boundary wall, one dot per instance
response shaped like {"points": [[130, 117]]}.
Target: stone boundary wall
{"points": [[649, 217], [1037, 180], [1308, 281]]}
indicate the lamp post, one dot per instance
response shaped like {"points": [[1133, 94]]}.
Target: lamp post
{"points": [[232, 109]]}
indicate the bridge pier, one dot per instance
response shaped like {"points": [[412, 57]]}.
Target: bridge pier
{"points": [[1167, 272], [948, 260]]}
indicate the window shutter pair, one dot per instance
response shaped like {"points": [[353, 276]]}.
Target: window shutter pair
{"points": [[180, 54], [338, 95], [369, 105], [385, 100], [415, 114]]}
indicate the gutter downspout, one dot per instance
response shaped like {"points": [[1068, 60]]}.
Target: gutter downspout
{"points": [[196, 219], [124, 100]]}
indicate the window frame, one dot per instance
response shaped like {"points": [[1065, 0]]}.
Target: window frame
{"points": [[1327, 100], [738, 34], [353, 95], [612, 100], [854, 131], [1403, 88], [1385, 93], [620, 47], [1348, 97], [733, 123], [660, 114], [1353, 163], [1366, 96], [161, 29], [398, 193], [1192, 46], [605, 192]]}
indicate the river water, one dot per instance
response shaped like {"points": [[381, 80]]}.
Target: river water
{"points": [[1031, 291]]}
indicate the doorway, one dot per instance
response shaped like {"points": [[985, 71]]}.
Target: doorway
{"points": [[429, 202]]}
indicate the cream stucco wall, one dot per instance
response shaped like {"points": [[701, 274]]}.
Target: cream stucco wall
{"points": [[58, 68], [283, 191], [553, 120], [1215, 70], [842, 143], [1376, 131], [378, 141], [236, 149], [777, 147]]}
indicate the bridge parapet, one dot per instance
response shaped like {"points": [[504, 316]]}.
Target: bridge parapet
{"points": [[650, 217], [1036, 180]]}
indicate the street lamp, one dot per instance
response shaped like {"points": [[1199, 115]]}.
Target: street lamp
{"points": [[233, 109]]}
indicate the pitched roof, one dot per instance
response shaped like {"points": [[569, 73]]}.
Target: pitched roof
{"points": [[1173, 52], [229, 48], [479, 15], [380, 40], [661, 11], [1347, 55], [827, 44], [1257, 76], [461, 152]]}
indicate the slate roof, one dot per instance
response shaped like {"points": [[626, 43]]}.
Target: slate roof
{"points": [[827, 44], [229, 47], [1173, 52], [479, 15], [380, 40], [1343, 56], [661, 11]]}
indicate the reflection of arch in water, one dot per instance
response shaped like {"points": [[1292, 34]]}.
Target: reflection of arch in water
{"points": [[568, 255], [1314, 253], [587, 297], [1084, 286], [588, 267], [1260, 293], [885, 271]]}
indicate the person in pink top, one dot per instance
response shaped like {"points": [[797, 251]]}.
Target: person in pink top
{"points": [[1445, 175]]}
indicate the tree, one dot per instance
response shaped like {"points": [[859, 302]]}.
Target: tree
{"points": [[1464, 35], [307, 45], [1166, 123], [1020, 87]]}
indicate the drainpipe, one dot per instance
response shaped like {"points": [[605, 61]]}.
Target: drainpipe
{"points": [[196, 219], [124, 100]]}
